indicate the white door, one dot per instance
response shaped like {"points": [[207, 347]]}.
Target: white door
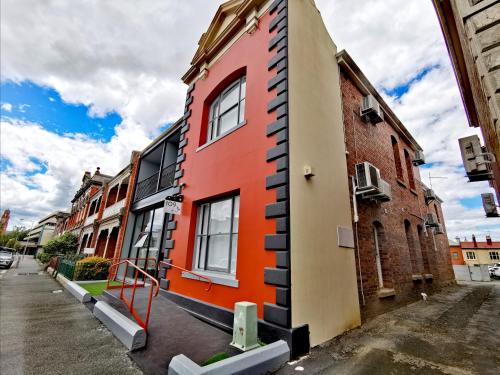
{"points": [[377, 259], [475, 273]]}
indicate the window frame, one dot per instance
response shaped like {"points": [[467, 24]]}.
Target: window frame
{"points": [[496, 257], [199, 253], [214, 115], [470, 255]]}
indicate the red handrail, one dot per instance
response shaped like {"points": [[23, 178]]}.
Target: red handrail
{"points": [[130, 304], [188, 271]]}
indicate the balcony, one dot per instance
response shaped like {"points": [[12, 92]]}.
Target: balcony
{"points": [[90, 220], [156, 182], [114, 209], [157, 168]]}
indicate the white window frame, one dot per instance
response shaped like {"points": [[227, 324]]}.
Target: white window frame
{"points": [[214, 117], [494, 255], [471, 255], [201, 249]]}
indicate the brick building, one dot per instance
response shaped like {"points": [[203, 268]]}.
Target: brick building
{"points": [[399, 255], [4, 221], [259, 162]]}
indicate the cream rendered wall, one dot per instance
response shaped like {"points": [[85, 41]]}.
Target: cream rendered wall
{"points": [[482, 257], [323, 275]]}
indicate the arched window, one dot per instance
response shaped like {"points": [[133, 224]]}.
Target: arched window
{"points": [[410, 240], [227, 110], [397, 158], [437, 213], [423, 248], [382, 263], [409, 170]]}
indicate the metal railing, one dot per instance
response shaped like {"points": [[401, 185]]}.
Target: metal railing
{"points": [[150, 185], [130, 302], [66, 268], [209, 280]]}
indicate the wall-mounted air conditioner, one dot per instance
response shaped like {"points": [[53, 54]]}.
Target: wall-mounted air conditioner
{"points": [[371, 110], [429, 196], [382, 194], [489, 205], [431, 220], [367, 178], [476, 159], [419, 158], [439, 229]]}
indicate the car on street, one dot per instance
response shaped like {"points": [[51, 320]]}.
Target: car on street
{"points": [[494, 270], [7, 256]]}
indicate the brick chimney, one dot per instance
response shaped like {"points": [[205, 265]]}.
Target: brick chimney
{"points": [[474, 240], [488, 240]]}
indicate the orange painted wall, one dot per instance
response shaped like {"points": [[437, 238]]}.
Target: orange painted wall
{"points": [[456, 261], [235, 162]]}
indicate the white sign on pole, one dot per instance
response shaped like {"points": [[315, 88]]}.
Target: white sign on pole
{"points": [[172, 207]]}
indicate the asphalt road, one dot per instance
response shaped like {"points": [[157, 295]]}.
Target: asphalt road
{"points": [[454, 332], [45, 330]]}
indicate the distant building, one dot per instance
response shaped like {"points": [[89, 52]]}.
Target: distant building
{"points": [[472, 33], [480, 252], [456, 255], [4, 221], [43, 232]]}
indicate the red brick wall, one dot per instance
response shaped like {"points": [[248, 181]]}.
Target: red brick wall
{"points": [[429, 253]]}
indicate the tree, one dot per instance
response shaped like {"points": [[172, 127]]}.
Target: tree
{"points": [[11, 239], [65, 244]]}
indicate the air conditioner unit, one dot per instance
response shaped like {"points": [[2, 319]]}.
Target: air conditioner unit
{"points": [[489, 205], [367, 178], [383, 193], [419, 158], [439, 229], [475, 159], [371, 111], [429, 196], [431, 220]]}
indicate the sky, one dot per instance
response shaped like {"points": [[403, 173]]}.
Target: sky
{"points": [[85, 83]]}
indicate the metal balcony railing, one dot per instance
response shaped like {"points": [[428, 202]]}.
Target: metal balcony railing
{"points": [[150, 185]]}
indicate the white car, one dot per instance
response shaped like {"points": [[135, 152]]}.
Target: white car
{"points": [[494, 270]]}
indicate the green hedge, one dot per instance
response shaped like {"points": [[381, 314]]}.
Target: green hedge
{"points": [[92, 268], [44, 257]]}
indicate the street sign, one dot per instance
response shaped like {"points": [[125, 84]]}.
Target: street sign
{"points": [[172, 207], [89, 251]]}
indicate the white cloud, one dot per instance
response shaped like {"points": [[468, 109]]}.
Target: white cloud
{"points": [[128, 57], [7, 107]]}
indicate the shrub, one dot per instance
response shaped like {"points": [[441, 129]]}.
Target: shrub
{"points": [[65, 244], [92, 268], [44, 257]]}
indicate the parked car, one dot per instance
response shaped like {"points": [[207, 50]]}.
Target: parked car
{"points": [[6, 256], [491, 269]]}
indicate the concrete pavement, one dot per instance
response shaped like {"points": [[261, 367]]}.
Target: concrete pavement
{"points": [[45, 330], [454, 332]]}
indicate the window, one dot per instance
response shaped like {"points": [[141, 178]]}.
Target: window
{"points": [[470, 255], [455, 255], [217, 236], [494, 255], [437, 214], [409, 170], [227, 110], [397, 158]]}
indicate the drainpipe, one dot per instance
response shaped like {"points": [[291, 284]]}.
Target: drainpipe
{"points": [[356, 219]]}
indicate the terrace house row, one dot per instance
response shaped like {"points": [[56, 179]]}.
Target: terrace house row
{"points": [[300, 187]]}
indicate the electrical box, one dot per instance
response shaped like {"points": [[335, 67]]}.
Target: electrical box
{"points": [[245, 326]]}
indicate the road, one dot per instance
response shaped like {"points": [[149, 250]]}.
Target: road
{"points": [[454, 332], [45, 330]]}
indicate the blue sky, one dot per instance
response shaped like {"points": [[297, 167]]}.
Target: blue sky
{"points": [[43, 105]]}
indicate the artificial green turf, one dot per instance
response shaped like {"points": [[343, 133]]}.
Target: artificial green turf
{"points": [[216, 358], [97, 288]]}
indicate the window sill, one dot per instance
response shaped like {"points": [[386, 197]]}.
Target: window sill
{"points": [[386, 293], [216, 279], [221, 136], [401, 183], [414, 192]]}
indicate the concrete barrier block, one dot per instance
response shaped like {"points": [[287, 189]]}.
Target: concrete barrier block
{"points": [[131, 334], [80, 294], [263, 360]]}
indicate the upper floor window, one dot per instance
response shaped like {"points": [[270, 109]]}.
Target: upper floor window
{"points": [[227, 110], [409, 170], [217, 235], [494, 255], [397, 158], [471, 255]]}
